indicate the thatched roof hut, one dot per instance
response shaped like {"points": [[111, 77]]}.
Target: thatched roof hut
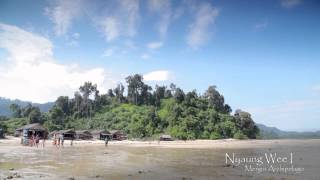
{"points": [[83, 135], [101, 134], [118, 135], [32, 129], [165, 137]]}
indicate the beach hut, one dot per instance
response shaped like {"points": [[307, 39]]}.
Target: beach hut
{"points": [[165, 137], [83, 135], [1, 133], [32, 129], [101, 134], [118, 135], [68, 134]]}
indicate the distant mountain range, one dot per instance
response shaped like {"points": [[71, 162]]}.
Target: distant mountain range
{"points": [[5, 103], [275, 133]]}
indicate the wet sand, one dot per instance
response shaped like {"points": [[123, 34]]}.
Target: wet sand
{"points": [[200, 159]]}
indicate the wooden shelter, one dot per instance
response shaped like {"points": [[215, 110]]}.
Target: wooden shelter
{"points": [[165, 137], [32, 129], [68, 134], [118, 135], [101, 134], [83, 135]]}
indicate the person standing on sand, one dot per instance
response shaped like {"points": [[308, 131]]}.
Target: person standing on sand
{"points": [[106, 140], [62, 139], [44, 141], [37, 140], [58, 142]]}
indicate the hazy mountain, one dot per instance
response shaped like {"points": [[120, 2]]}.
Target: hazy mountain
{"points": [[275, 133], [5, 103]]}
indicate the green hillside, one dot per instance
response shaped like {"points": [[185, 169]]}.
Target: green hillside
{"points": [[143, 112]]}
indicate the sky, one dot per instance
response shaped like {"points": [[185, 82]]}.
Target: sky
{"points": [[263, 56]]}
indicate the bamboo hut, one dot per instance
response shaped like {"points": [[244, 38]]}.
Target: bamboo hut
{"points": [[83, 135], [165, 137], [101, 134], [32, 129], [68, 134], [118, 135]]}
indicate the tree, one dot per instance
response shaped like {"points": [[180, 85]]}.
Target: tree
{"points": [[216, 100], [179, 95], [35, 115], [110, 93], [246, 124], [159, 94], [63, 103], [119, 90], [16, 110], [135, 85], [86, 90]]}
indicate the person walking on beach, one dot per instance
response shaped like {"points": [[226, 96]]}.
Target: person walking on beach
{"points": [[37, 140], [58, 142], [62, 139], [106, 140], [44, 141]]}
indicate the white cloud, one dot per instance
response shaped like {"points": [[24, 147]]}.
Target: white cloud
{"points": [[119, 19], [261, 25], [154, 45], [62, 13], [290, 3], [157, 76], [145, 56], [163, 9], [110, 27], [30, 71], [199, 31], [108, 52]]}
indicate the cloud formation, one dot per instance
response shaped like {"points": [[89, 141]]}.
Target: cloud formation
{"points": [[154, 45], [31, 72], [199, 29], [290, 3], [119, 19], [161, 75], [62, 13], [163, 9]]}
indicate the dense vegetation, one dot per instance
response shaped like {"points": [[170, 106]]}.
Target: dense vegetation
{"points": [[141, 112]]}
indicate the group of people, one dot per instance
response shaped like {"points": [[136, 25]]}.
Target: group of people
{"points": [[35, 140], [58, 140]]}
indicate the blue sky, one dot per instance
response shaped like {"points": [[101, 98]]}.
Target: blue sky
{"points": [[264, 56]]}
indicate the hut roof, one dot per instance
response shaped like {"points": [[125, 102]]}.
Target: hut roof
{"points": [[83, 132], [100, 132], [68, 131], [115, 132], [34, 126], [165, 136]]}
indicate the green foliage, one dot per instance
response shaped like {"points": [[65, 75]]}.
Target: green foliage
{"points": [[240, 135], [143, 113]]}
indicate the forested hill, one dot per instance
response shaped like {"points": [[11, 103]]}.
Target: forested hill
{"points": [[142, 112], [275, 133], [5, 105]]}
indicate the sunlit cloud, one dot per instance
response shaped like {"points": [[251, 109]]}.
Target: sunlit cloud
{"points": [[31, 72], [200, 28], [157, 76]]}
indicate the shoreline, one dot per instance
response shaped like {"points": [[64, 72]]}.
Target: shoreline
{"points": [[196, 144]]}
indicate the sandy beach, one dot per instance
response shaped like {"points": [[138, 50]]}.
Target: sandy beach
{"points": [[194, 144], [199, 159]]}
